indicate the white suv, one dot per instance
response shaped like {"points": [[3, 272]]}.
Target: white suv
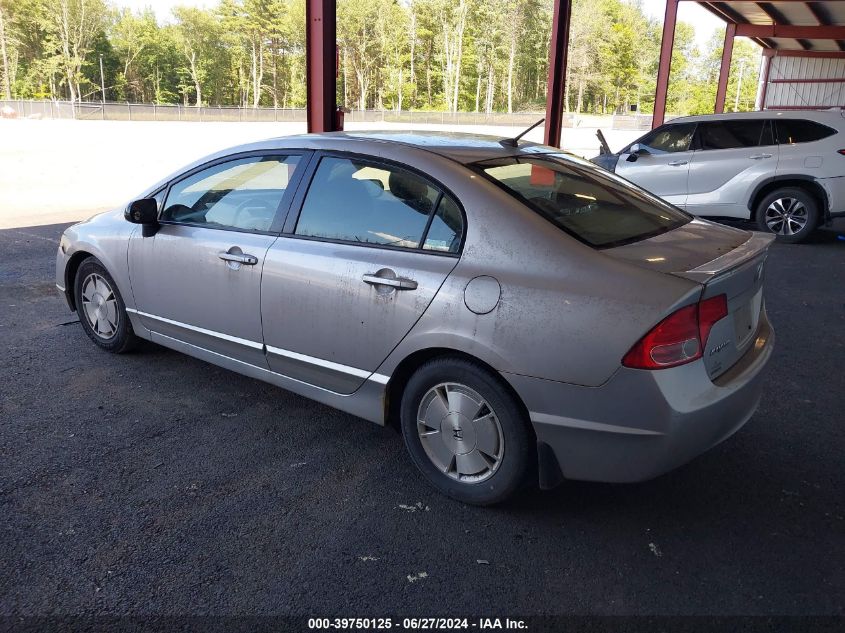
{"points": [[784, 169]]}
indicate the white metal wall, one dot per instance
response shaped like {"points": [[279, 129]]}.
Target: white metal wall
{"points": [[802, 95]]}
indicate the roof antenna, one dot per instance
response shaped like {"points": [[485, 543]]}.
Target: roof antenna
{"points": [[511, 142]]}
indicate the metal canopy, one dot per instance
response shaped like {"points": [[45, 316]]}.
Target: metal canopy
{"points": [[795, 28], [787, 24]]}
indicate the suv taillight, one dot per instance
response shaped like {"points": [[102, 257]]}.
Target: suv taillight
{"points": [[841, 151], [679, 338]]}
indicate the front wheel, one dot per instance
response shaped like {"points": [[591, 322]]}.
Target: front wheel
{"points": [[790, 213], [465, 433], [100, 307]]}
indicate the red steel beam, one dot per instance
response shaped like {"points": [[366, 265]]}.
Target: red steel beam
{"points": [[321, 64], [665, 64], [808, 54], [801, 107], [838, 80], [823, 18], [791, 31], [558, 46], [725, 69]]}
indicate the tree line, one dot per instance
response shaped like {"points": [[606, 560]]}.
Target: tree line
{"points": [[451, 55]]}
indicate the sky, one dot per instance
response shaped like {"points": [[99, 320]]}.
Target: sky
{"points": [[704, 21]]}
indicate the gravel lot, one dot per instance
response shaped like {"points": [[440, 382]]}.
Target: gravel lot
{"points": [[155, 484]]}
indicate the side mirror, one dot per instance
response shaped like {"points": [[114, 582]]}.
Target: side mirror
{"points": [[143, 211], [635, 151]]}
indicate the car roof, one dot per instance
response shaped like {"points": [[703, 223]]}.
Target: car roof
{"points": [[458, 146], [834, 116]]}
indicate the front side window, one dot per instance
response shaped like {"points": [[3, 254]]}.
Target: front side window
{"points": [[791, 131], [669, 139], [242, 194], [361, 201], [732, 134], [596, 207]]}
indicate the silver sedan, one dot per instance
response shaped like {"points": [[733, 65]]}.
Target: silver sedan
{"points": [[520, 314]]}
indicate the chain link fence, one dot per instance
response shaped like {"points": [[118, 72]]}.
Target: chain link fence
{"points": [[35, 109]]}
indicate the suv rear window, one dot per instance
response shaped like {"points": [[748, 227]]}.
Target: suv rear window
{"points": [[590, 204], [791, 131]]}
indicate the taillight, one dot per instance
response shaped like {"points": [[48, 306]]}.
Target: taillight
{"points": [[679, 338], [710, 311], [841, 151]]}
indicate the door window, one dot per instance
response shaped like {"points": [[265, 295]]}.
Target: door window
{"points": [[731, 134], [360, 201], [447, 228], [242, 194], [791, 131], [669, 139]]}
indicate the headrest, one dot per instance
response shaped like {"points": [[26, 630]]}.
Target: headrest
{"points": [[407, 187]]}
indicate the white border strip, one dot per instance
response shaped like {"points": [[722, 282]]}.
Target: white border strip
{"points": [[311, 360], [200, 330]]}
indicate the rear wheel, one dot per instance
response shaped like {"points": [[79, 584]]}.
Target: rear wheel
{"points": [[100, 307], [465, 433], [790, 213]]}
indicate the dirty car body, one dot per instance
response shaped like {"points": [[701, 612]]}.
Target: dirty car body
{"points": [[518, 260]]}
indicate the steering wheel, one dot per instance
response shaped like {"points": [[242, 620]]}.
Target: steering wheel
{"points": [[263, 205], [183, 213]]}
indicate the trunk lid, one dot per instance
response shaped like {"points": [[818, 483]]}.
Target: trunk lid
{"points": [[724, 261]]}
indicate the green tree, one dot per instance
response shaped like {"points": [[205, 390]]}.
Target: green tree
{"points": [[198, 34]]}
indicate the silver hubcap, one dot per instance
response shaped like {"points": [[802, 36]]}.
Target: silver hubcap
{"points": [[786, 216], [460, 433], [99, 306]]}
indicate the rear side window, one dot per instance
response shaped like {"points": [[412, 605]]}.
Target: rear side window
{"points": [[596, 207], [732, 134], [791, 131], [447, 228], [669, 138], [360, 201]]}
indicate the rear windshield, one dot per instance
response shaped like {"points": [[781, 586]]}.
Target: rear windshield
{"points": [[594, 206], [791, 131]]}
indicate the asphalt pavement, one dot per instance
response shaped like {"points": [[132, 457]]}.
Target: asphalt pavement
{"points": [[153, 484]]}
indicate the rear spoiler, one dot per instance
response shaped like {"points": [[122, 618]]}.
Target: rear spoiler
{"points": [[757, 244]]}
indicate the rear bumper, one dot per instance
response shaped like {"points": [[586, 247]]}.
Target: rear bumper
{"points": [[641, 424]]}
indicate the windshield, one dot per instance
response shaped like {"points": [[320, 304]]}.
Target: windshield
{"points": [[596, 207]]}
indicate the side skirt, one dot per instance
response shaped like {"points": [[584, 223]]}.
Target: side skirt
{"points": [[367, 402]]}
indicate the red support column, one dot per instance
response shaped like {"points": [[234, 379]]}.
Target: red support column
{"points": [[665, 65], [321, 64], [558, 46], [725, 70]]}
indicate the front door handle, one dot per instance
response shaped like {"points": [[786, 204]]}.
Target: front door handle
{"points": [[759, 156], [240, 258], [399, 283], [678, 163]]}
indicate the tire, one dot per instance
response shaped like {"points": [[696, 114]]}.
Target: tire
{"points": [[100, 307], [790, 213], [476, 409]]}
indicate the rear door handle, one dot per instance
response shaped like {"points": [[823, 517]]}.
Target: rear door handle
{"points": [[396, 282], [678, 163], [759, 156], [248, 260]]}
